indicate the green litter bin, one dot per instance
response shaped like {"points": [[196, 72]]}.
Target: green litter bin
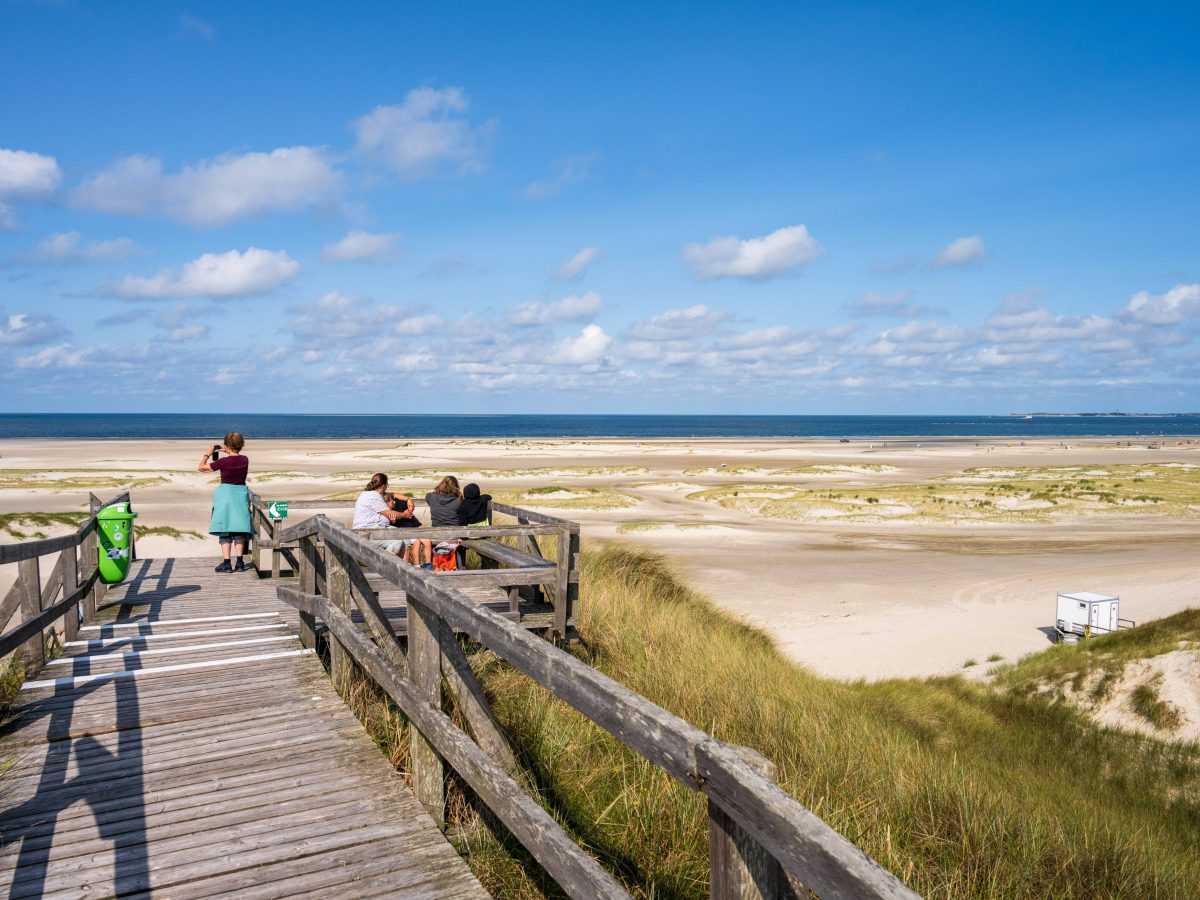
{"points": [[114, 526]]}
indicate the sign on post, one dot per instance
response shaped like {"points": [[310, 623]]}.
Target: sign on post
{"points": [[277, 509]]}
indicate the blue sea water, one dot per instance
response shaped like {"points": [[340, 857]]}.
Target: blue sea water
{"points": [[260, 426]]}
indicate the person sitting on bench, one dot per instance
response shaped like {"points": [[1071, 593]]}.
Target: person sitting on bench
{"points": [[476, 508]]}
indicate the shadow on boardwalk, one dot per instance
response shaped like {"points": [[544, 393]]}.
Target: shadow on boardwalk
{"points": [[110, 782]]}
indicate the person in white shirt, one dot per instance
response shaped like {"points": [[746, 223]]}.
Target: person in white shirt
{"points": [[372, 511]]}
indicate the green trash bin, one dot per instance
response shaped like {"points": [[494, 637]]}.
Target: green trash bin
{"points": [[114, 526]]}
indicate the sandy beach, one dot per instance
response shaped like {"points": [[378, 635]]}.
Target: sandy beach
{"points": [[866, 559]]}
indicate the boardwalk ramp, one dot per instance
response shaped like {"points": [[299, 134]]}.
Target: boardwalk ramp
{"points": [[185, 744]]}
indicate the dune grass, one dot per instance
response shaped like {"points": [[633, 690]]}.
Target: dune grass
{"points": [[22, 525], [1096, 664], [60, 480], [559, 497], [961, 789], [1027, 494]]}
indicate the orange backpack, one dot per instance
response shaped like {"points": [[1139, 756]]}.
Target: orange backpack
{"points": [[445, 560]]}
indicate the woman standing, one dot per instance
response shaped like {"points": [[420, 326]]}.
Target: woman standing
{"points": [[231, 503]]}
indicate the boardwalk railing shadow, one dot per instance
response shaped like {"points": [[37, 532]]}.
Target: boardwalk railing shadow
{"points": [[762, 842], [45, 623]]}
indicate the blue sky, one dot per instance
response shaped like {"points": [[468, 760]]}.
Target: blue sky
{"points": [[761, 208]]}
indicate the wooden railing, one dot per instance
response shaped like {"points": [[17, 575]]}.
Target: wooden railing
{"points": [[561, 585], [762, 842], [55, 608]]}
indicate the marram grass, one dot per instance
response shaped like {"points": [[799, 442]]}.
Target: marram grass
{"points": [[961, 789]]}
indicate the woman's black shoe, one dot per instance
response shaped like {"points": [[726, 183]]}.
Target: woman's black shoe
{"points": [[240, 566], [224, 567]]}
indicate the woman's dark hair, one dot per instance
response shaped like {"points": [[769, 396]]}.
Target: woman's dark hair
{"points": [[234, 441], [448, 485], [377, 481]]}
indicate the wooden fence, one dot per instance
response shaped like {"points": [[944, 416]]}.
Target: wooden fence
{"points": [[762, 842], [67, 600], [524, 565]]}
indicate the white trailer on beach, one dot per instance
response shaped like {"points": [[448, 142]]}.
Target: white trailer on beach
{"points": [[1085, 614]]}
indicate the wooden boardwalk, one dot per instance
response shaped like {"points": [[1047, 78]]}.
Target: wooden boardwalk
{"points": [[187, 745]]}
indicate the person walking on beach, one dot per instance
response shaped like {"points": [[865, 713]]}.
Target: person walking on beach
{"points": [[230, 520]]}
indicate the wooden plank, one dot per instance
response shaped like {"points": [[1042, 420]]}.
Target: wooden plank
{"points": [[509, 556], [572, 582], [26, 550], [425, 671], [739, 868], [562, 583], [339, 596], [501, 577], [29, 635], [467, 693], [54, 583], [10, 604], [372, 613], [529, 515], [809, 850], [308, 584], [70, 570], [576, 872]]}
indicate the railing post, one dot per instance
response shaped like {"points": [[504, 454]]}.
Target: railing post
{"points": [[256, 532], [70, 574], [29, 581], [99, 588], [572, 577], [338, 582], [739, 867], [308, 584], [425, 670], [562, 582], [275, 554]]}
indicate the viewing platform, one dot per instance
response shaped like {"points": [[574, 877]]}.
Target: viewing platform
{"points": [[183, 734]]}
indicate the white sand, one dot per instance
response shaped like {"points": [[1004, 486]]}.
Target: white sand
{"points": [[851, 599]]}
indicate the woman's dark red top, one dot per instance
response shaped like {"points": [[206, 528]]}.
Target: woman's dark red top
{"points": [[233, 469]]}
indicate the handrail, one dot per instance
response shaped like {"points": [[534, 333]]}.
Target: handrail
{"points": [[39, 610], [807, 849]]}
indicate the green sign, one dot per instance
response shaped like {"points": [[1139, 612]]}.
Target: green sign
{"points": [[277, 509]]}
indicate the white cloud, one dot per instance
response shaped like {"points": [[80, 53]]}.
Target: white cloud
{"points": [[70, 247], [569, 171], [1179, 303], [197, 26], [963, 251], [425, 134], [572, 308], [187, 333], [677, 324], [586, 349], [874, 303], [755, 258], [232, 274], [8, 218], [29, 329], [216, 191], [361, 246], [574, 267], [26, 174], [336, 318], [418, 325], [57, 356]]}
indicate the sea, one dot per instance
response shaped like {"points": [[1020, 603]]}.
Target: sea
{"points": [[152, 426]]}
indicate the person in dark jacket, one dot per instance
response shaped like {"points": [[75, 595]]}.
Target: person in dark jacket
{"points": [[475, 508]]}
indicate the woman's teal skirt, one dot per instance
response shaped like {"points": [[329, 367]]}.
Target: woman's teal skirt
{"points": [[231, 510]]}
